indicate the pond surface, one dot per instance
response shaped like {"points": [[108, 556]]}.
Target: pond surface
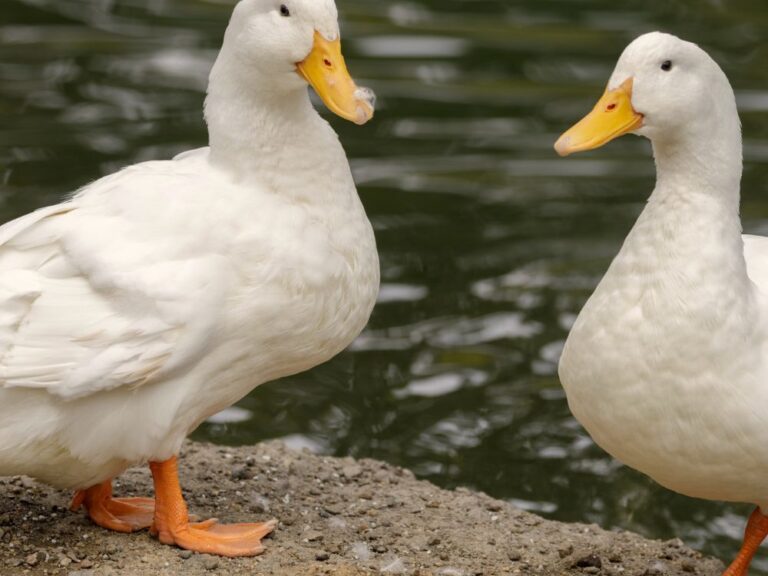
{"points": [[490, 244]]}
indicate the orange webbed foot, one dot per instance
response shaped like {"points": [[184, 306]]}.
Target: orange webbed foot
{"points": [[119, 514], [222, 539], [172, 525]]}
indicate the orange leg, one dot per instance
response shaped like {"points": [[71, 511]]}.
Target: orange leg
{"points": [[172, 525], [120, 514], [757, 529]]}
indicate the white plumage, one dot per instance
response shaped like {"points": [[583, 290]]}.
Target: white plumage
{"points": [[667, 363], [161, 294]]}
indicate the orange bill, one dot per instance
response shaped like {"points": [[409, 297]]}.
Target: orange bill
{"points": [[327, 72], [612, 117]]}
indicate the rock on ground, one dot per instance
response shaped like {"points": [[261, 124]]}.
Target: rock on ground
{"points": [[338, 516]]}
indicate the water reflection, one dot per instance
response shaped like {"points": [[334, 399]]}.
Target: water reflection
{"points": [[489, 243]]}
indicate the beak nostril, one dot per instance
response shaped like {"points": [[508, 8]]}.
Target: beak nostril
{"points": [[611, 107], [327, 62]]}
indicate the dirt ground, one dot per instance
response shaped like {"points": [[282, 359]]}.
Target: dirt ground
{"points": [[337, 516]]}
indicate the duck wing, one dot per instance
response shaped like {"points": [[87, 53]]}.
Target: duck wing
{"points": [[94, 295]]}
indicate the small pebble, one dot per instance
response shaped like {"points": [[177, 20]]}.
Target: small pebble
{"points": [[351, 471], [688, 566], [656, 569], [590, 560], [322, 556], [314, 536], [567, 551], [241, 473], [675, 543], [32, 559], [185, 554], [210, 563]]}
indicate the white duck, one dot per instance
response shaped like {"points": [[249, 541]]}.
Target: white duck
{"points": [[667, 364], [162, 294]]}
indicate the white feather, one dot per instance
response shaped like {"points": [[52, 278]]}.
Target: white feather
{"points": [[161, 294], [667, 364]]}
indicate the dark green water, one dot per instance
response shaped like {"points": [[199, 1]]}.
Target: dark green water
{"points": [[490, 244]]}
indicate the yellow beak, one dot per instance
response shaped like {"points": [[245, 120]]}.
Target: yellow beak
{"points": [[612, 116], [327, 72]]}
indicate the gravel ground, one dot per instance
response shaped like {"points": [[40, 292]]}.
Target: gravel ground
{"points": [[337, 516]]}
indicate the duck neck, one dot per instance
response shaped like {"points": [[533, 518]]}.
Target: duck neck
{"points": [[696, 200], [687, 243], [703, 164], [270, 135]]}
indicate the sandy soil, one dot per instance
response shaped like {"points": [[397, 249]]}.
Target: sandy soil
{"points": [[337, 516]]}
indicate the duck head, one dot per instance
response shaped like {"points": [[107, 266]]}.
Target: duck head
{"points": [[281, 45], [663, 88]]}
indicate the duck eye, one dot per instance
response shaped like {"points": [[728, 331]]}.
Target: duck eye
{"points": [[284, 11], [666, 65]]}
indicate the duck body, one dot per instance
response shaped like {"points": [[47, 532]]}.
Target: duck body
{"points": [[159, 295], [666, 365], [152, 321]]}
